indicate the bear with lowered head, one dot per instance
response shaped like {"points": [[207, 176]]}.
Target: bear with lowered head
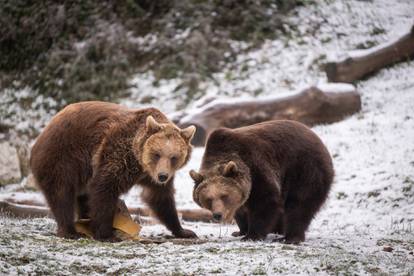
{"points": [[92, 152], [271, 177]]}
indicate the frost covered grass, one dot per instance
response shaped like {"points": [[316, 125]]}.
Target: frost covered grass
{"points": [[370, 210]]}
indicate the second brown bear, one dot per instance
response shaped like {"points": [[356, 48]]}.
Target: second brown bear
{"points": [[272, 177]]}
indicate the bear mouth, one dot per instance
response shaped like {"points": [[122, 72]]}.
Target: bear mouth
{"points": [[225, 218], [161, 183]]}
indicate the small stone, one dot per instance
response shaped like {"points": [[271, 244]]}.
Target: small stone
{"points": [[387, 249]]}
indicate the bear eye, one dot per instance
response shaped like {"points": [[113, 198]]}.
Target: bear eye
{"points": [[208, 202], [156, 156], [174, 160], [224, 198]]}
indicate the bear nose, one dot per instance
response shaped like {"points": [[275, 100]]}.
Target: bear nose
{"points": [[217, 216], [162, 177]]}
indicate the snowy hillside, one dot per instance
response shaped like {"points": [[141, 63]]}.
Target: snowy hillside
{"points": [[367, 225]]}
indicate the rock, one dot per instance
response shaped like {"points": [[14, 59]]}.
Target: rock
{"points": [[387, 248], [9, 164]]}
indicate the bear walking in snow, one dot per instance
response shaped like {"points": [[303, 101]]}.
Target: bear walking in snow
{"points": [[271, 177], [92, 152]]}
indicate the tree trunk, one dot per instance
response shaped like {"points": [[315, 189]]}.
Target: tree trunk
{"points": [[312, 106], [371, 60]]}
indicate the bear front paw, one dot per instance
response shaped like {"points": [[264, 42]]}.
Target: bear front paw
{"points": [[104, 234], [185, 234], [106, 237], [290, 240], [238, 234], [112, 239], [294, 240], [67, 234]]}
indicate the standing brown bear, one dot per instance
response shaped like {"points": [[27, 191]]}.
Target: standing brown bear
{"points": [[92, 152], [271, 177]]}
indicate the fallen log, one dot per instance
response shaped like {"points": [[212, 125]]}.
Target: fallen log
{"points": [[361, 63], [196, 215], [19, 210], [24, 211], [315, 105]]}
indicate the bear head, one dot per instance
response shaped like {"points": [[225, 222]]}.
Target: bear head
{"points": [[222, 189], [165, 149]]}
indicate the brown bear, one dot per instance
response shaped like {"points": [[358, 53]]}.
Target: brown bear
{"points": [[92, 152], [271, 177]]}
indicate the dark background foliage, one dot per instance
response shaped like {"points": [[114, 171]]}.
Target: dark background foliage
{"points": [[88, 49]]}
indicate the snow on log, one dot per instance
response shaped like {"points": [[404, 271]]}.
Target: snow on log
{"points": [[315, 105], [364, 62]]}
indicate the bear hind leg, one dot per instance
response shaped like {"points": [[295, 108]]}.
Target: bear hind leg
{"points": [[62, 204], [297, 223], [298, 217]]}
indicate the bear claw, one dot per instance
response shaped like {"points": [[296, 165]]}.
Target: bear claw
{"points": [[186, 234]]}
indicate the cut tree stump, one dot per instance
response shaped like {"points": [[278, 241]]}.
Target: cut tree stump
{"points": [[364, 62], [312, 106]]}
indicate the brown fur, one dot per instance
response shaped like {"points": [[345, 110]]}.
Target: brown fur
{"points": [[272, 177], [92, 152]]}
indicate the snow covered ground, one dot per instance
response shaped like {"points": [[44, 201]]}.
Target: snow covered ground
{"points": [[371, 206]]}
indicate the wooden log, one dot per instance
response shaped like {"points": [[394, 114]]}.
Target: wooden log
{"points": [[196, 215], [365, 62], [186, 214], [22, 210], [311, 107]]}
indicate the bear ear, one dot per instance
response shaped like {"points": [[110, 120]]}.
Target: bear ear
{"points": [[198, 178], [230, 169], [152, 125], [188, 133]]}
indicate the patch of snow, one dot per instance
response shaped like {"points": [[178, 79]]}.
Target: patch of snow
{"points": [[143, 87], [336, 87], [14, 112]]}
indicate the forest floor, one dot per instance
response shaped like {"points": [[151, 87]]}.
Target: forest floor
{"points": [[367, 224]]}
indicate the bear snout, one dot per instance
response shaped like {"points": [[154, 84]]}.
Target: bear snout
{"points": [[217, 216], [162, 177]]}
